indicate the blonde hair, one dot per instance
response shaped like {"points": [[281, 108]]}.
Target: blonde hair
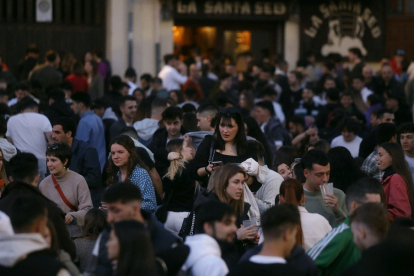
{"points": [[177, 165], [219, 181]]}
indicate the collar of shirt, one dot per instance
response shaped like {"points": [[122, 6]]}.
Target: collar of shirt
{"points": [[87, 113]]}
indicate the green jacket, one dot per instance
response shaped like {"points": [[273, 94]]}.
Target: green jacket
{"points": [[336, 251]]}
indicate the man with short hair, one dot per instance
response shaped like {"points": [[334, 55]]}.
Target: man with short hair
{"points": [[172, 118], [25, 178], [270, 94], [173, 74], [145, 80], [189, 98], [58, 107], [215, 224], [369, 143], [84, 159], [358, 86], [130, 78], [369, 225], [27, 252], [301, 136], [337, 250], [30, 131], [317, 170], [29, 62], [280, 225], [147, 127], [123, 202], [406, 134], [388, 82], [348, 137], [205, 115], [355, 57], [48, 75], [90, 128], [296, 125], [273, 130], [332, 98], [128, 107], [385, 132], [396, 103], [21, 91]]}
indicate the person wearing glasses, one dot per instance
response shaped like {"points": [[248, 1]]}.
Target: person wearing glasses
{"points": [[228, 144], [66, 188]]}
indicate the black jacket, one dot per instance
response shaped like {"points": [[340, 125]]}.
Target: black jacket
{"points": [[85, 161], [38, 263], [116, 128], [57, 110], [165, 246], [157, 146], [55, 214], [298, 258]]}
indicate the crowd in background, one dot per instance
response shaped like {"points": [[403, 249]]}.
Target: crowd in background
{"points": [[214, 166]]}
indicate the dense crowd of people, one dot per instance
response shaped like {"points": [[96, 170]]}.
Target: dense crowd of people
{"points": [[213, 166]]}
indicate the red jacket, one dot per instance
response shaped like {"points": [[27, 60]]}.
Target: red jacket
{"points": [[396, 195], [79, 83]]}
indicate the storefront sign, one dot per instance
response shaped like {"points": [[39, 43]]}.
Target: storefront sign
{"points": [[230, 10], [329, 27]]}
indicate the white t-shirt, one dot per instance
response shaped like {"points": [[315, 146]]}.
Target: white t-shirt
{"points": [[132, 87], [353, 146], [410, 162], [258, 259], [171, 78], [365, 92], [27, 130]]}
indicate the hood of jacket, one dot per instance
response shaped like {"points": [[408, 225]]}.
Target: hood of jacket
{"points": [[8, 149], [15, 248], [109, 114], [204, 241], [146, 128]]}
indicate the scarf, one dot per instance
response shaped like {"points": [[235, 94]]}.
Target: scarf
{"points": [[387, 172]]}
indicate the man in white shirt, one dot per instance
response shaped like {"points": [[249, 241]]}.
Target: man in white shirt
{"points": [[216, 222], [30, 131], [171, 77], [348, 139], [130, 78], [406, 134]]}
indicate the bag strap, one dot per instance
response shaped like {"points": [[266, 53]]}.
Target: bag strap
{"points": [[212, 151], [62, 196]]}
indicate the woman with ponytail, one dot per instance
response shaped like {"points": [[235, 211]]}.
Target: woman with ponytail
{"points": [[179, 187], [313, 226]]}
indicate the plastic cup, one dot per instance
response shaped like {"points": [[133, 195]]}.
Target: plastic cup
{"points": [[326, 189]]}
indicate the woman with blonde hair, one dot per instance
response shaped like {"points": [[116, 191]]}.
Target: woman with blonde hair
{"points": [[179, 187]]}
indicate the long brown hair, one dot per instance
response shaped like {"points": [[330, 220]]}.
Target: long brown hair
{"points": [[133, 160], [400, 166], [292, 191], [219, 181]]}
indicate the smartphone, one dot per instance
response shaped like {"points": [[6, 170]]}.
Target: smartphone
{"points": [[217, 163]]}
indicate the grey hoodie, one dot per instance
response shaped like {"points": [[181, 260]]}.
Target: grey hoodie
{"points": [[146, 128], [8, 149], [15, 248]]}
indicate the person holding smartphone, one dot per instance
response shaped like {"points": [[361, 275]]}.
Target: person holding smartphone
{"points": [[228, 144]]}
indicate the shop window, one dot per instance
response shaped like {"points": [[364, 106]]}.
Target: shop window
{"points": [[236, 42]]}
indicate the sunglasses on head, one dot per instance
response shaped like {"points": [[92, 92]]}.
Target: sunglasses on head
{"points": [[53, 147], [228, 111]]}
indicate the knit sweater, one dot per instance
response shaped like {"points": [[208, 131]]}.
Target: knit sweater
{"points": [[76, 191], [315, 204]]}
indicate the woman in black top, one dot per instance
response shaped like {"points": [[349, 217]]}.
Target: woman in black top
{"points": [[179, 187], [229, 145]]}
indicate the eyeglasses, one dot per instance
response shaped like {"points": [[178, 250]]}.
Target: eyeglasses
{"points": [[53, 147], [228, 111]]}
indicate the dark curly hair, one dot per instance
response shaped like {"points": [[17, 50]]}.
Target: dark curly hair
{"points": [[128, 144]]}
